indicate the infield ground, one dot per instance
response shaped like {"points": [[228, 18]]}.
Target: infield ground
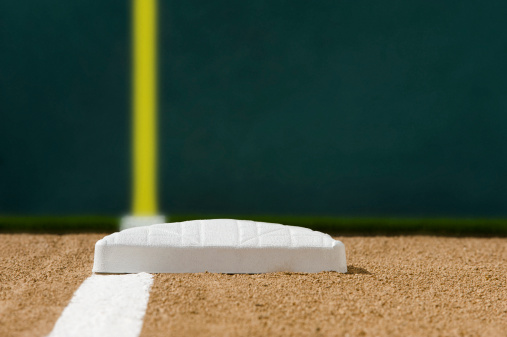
{"points": [[396, 286]]}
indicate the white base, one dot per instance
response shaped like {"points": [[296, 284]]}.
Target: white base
{"points": [[219, 246], [131, 221]]}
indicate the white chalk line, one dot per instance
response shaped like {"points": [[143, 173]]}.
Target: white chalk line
{"points": [[106, 305]]}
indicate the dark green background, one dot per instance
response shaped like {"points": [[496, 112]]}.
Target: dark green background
{"points": [[357, 108]]}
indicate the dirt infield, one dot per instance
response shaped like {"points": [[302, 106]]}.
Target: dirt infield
{"points": [[38, 275], [413, 285]]}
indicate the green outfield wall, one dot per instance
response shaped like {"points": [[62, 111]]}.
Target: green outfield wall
{"points": [[346, 108]]}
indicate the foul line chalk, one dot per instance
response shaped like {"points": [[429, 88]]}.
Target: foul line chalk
{"points": [[106, 305]]}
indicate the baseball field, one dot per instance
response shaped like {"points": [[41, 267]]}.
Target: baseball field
{"points": [[411, 285]]}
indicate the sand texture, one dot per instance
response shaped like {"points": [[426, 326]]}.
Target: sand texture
{"points": [[400, 286], [396, 286], [38, 275]]}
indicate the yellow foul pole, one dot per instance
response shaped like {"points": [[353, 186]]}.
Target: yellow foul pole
{"points": [[144, 107]]}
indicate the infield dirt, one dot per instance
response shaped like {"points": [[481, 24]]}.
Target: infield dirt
{"points": [[396, 286], [38, 275]]}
